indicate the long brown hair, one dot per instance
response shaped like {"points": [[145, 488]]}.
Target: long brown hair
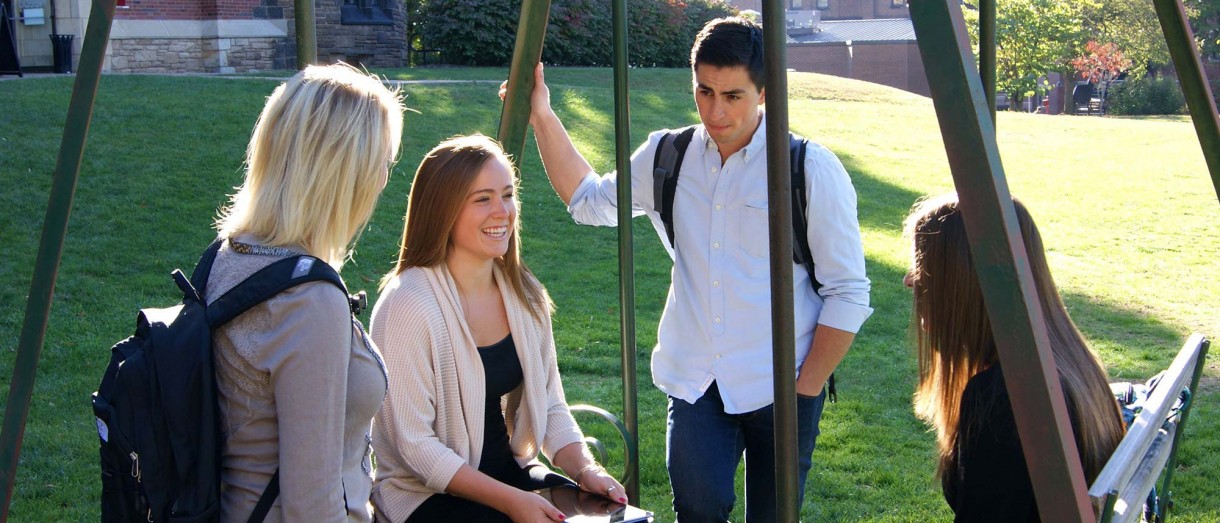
{"points": [[955, 340], [437, 196]]}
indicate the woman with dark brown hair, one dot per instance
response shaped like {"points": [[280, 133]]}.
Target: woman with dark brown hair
{"points": [[475, 394], [961, 390]]}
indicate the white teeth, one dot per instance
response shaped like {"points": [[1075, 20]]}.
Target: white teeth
{"points": [[496, 232]]}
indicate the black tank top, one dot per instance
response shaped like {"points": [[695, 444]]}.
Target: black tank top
{"points": [[502, 373]]}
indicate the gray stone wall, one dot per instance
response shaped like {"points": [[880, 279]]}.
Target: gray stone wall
{"points": [[368, 45], [208, 55]]}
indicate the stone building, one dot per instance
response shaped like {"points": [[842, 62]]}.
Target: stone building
{"points": [[221, 36]]}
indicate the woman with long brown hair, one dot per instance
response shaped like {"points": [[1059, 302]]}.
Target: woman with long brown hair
{"points": [[961, 391], [475, 394]]}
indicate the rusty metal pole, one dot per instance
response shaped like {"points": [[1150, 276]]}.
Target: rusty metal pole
{"points": [[626, 248], [987, 50], [515, 116], [779, 203], [307, 33], [50, 247], [1002, 264]]}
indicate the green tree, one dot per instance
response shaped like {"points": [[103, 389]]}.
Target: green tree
{"points": [[1205, 21], [1033, 39], [1132, 25], [482, 32]]}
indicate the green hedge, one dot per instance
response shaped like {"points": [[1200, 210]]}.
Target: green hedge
{"points": [[1149, 95], [482, 32]]}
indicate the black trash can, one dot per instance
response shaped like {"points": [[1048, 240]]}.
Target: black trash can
{"points": [[61, 50]]}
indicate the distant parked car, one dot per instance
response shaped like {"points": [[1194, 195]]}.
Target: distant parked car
{"points": [[1001, 101]]}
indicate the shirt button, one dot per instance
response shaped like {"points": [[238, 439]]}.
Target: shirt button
{"points": [[717, 356], [715, 283], [715, 169], [715, 245], [716, 319], [718, 207]]}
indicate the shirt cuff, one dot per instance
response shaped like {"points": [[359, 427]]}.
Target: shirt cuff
{"points": [[581, 194], [844, 315]]}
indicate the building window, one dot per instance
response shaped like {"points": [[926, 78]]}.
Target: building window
{"points": [[823, 4], [898, 3], [366, 12], [795, 4]]}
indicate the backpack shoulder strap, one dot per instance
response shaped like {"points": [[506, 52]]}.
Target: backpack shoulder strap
{"points": [[801, 254], [268, 282], [665, 167], [797, 148], [203, 268]]}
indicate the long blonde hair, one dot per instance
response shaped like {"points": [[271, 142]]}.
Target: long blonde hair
{"points": [[955, 341], [316, 162], [437, 196]]}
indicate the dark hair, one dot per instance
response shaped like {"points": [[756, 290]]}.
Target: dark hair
{"points": [[731, 42], [955, 341]]}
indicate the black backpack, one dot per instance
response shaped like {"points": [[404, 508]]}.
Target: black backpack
{"points": [[158, 420], [667, 163]]}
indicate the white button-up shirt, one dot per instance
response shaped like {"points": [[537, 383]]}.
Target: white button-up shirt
{"points": [[716, 325]]}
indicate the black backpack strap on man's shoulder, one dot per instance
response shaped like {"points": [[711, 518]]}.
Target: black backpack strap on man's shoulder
{"points": [[801, 254], [665, 167]]}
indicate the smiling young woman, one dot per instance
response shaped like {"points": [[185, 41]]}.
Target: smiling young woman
{"points": [[465, 327]]}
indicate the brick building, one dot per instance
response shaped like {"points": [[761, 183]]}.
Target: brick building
{"points": [[870, 40], [222, 36]]}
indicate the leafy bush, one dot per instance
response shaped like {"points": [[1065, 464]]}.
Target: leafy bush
{"points": [[580, 32], [1149, 95]]}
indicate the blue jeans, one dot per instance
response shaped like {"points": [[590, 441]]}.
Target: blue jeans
{"points": [[704, 446]]}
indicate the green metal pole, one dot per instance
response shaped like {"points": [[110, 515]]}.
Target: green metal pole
{"points": [[987, 49], [515, 117], [1181, 40], [626, 249], [50, 248], [307, 33], [1002, 264], [779, 203]]}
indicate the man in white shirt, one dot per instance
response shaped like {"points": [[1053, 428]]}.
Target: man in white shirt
{"points": [[713, 355]]}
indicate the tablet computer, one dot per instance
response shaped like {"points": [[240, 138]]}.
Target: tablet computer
{"points": [[585, 507]]}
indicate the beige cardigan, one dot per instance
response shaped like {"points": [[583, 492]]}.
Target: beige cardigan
{"points": [[432, 420]]}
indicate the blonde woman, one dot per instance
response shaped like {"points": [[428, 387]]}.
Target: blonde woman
{"points": [[961, 390], [298, 380], [475, 394]]}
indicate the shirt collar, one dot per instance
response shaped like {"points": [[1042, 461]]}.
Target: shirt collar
{"points": [[758, 142]]}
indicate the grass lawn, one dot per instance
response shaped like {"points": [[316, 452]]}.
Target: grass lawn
{"points": [[1125, 205]]}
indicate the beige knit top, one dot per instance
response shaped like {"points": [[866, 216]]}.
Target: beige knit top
{"points": [[431, 422], [298, 385]]}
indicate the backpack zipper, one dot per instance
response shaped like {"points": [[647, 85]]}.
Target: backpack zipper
{"points": [[135, 465]]}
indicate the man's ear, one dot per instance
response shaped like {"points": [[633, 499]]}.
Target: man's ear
{"points": [[762, 96]]}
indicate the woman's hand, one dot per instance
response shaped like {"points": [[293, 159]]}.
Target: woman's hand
{"points": [[596, 480], [528, 507]]}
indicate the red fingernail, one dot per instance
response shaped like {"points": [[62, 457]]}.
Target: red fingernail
{"points": [[561, 516]]}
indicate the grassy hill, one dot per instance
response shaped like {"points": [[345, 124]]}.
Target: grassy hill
{"points": [[1125, 206]]}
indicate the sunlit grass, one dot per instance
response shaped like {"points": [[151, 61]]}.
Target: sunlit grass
{"points": [[1125, 206]]}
